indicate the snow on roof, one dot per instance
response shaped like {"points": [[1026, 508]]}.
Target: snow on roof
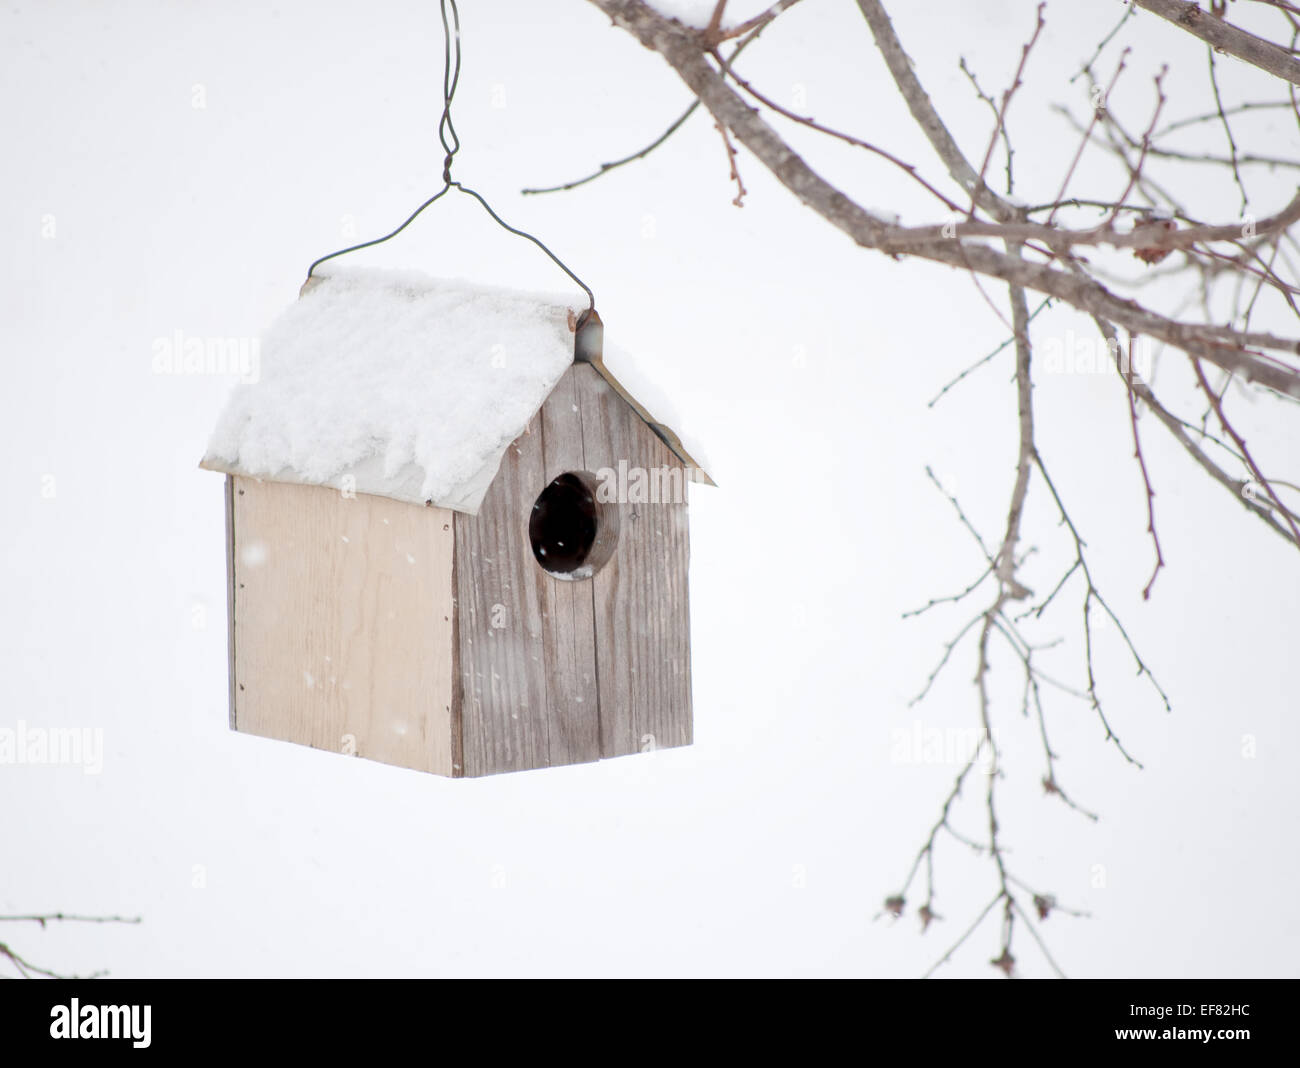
{"points": [[412, 386]]}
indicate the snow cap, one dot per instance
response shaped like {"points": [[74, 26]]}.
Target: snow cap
{"points": [[396, 384]]}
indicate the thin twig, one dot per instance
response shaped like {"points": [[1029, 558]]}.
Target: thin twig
{"points": [[1227, 130], [962, 940], [673, 127], [1127, 374], [1016, 82], [1046, 303], [1240, 442], [739, 200]]}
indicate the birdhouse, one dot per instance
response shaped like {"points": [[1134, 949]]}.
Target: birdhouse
{"points": [[455, 542]]}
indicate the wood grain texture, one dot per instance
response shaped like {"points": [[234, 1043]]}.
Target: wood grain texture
{"points": [[643, 652], [457, 679], [343, 622], [230, 592], [499, 599], [575, 670], [436, 641], [568, 614]]}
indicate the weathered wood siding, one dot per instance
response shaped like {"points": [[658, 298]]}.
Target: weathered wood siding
{"points": [[643, 655], [554, 671], [499, 599]]}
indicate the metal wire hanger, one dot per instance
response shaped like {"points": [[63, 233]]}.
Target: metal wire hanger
{"points": [[451, 145]]}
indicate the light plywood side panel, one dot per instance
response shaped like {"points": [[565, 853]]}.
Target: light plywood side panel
{"points": [[343, 622], [230, 592], [640, 596], [568, 612], [499, 599]]}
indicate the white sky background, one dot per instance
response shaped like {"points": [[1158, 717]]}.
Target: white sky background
{"points": [[802, 362]]}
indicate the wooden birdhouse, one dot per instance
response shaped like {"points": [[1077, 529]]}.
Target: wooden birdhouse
{"points": [[455, 542]]}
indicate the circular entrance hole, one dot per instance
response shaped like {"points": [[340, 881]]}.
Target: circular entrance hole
{"points": [[571, 531]]}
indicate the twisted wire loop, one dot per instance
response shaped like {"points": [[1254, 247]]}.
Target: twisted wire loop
{"points": [[450, 140]]}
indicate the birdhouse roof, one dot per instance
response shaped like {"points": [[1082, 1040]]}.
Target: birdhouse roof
{"points": [[412, 386]]}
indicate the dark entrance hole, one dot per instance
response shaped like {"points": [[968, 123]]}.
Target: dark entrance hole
{"points": [[571, 532]]}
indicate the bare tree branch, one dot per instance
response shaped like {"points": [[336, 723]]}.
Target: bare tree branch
{"points": [[995, 236], [26, 969], [1222, 35], [1223, 347]]}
